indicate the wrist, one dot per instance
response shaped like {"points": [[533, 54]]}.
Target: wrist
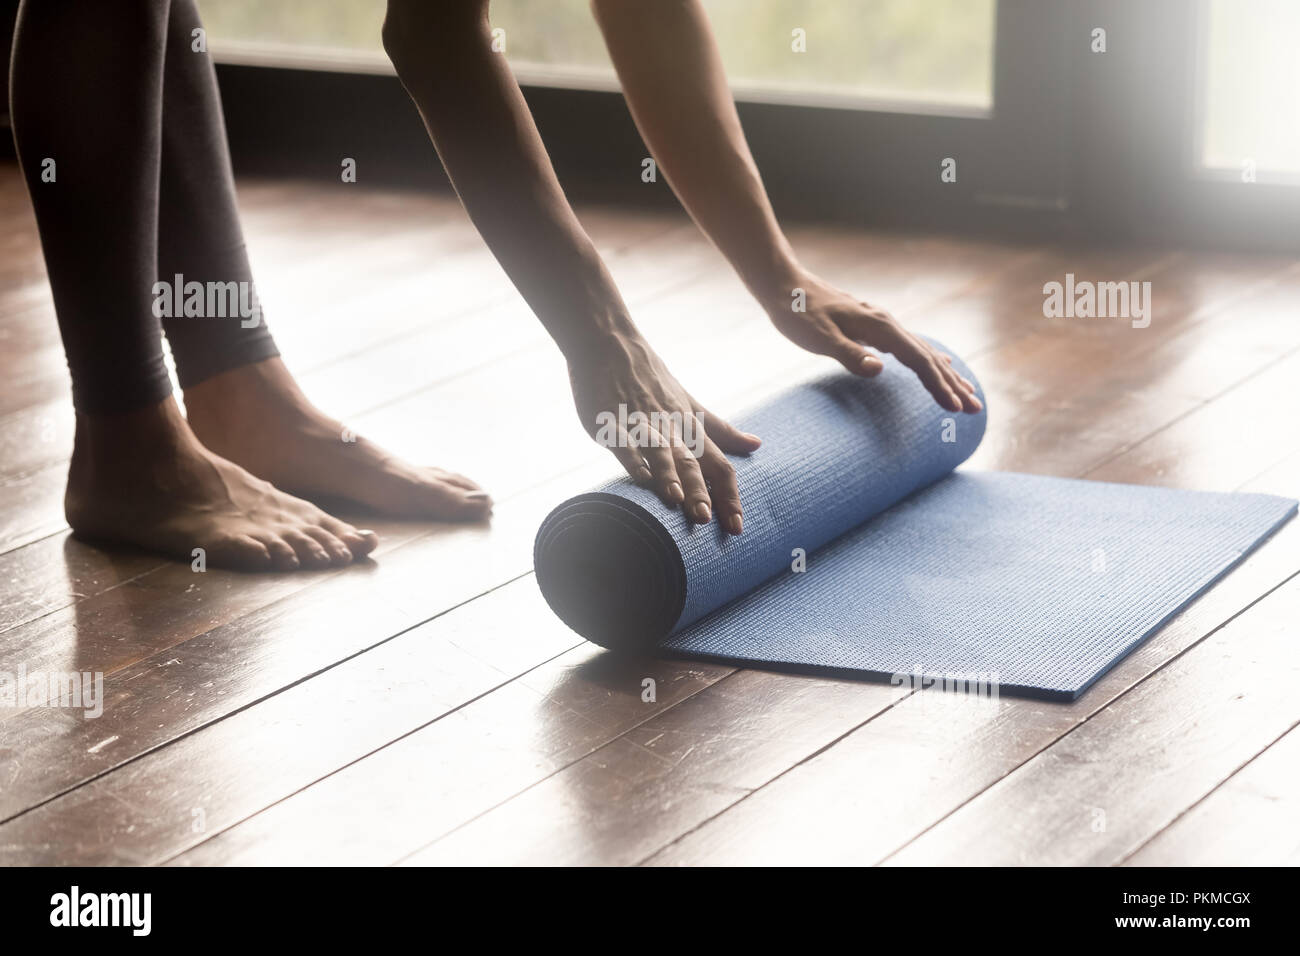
{"points": [[609, 338], [773, 287]]}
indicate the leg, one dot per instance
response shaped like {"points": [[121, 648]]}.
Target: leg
{"points": [[87, 93], [199, 235], [241, 400], [89, 151]]}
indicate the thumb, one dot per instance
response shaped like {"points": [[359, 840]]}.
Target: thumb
{"points": [[854, 356]]}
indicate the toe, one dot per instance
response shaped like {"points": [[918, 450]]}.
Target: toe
{"points": [[449, 502], [457, 480], [338, 551], [308, 549], [359, 542], [240, 552], [282, 556]]}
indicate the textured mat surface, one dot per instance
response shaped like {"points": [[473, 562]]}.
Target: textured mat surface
{"points": [[1038, 584]]}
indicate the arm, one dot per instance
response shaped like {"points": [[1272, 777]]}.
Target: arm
{"points": [[482, 129], [668, 64]]}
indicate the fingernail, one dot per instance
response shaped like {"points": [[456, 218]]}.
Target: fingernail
{"points": [[737, 525], [477, 496], [366, 532], [869, 361], [643, 475], [702, 513], [675, 493], [751, 437]]}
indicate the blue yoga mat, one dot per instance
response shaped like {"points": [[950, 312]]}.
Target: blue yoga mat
{"points": [[867, 554]]}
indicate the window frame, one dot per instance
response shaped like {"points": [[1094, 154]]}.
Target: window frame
{"points": [[1077, 144], [1145, 93]]}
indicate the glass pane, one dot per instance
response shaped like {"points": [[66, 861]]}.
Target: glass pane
{"points": [[1251, 90], [322, 26], [915, 51], [935, 51]]}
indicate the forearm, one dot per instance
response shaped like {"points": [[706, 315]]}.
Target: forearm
{"points": [[487, 141], [672, 76]]}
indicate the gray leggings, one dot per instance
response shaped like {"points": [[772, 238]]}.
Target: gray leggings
{"points": [[118, 125]]}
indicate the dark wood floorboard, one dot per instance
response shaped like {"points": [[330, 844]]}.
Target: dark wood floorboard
{"points": [[428, 707]]}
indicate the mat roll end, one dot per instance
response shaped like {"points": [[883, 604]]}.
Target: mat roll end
{"points": [[610, 571]]}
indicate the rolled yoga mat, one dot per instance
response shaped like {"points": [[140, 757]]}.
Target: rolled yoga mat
{"points": [[866, 554]]}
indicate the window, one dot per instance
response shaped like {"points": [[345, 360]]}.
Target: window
{"points": [[1251, 90], [938, 53]]}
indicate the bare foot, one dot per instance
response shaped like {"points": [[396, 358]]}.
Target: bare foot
{"points": [[257, 417], [143, 478]]}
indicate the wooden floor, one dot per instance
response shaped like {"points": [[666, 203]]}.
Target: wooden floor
{"points": [[430, 709]]}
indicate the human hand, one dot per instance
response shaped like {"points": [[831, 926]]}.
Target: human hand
{"points": [[834, 323], [629, 402]]}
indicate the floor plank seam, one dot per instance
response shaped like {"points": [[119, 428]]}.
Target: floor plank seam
{"points": [[63, 607], [415, 730], [1201, 404], [243, 707], [799, 763], [1203, 797], [1089, 716], [982, 280], [559, 770], [326, 576]]}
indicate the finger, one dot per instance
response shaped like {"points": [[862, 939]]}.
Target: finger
{"points": [[663, 469], [725, 492], [964, 390], [696, 503], [633, 463], [921, 361], [727, 436], [959, 384], [967, 384]]}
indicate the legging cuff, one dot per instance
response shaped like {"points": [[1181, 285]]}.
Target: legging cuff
{"points": [[125, 391], [244, 351]]}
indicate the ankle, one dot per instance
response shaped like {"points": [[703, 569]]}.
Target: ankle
{"points": [[158, 429], [233, 396], [116, 457]]}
